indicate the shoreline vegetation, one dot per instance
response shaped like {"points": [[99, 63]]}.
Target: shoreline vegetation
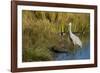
{"points": [[41, 33]]}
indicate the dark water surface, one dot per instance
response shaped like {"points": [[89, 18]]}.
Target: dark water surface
{"points": [[80, 53]]}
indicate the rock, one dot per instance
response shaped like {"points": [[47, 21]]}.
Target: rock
{"points": [[59, 50]]}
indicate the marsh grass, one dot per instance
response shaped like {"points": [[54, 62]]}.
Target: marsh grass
{"points": [[41, 30]]}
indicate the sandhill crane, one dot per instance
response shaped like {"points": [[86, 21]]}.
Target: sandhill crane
{"points": [[75, 39]]}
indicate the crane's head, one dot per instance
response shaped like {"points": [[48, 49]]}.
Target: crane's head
{"points": [[70, 24]]}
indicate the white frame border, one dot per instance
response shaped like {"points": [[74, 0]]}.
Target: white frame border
{"points": [[52, 63]]}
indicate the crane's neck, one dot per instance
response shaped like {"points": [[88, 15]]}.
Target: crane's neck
{"points": [[70, 29]]}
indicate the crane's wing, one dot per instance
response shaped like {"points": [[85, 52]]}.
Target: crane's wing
{"points": [[76, 40]]}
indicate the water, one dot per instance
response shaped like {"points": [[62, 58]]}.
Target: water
{"points": [[80, 53]]}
